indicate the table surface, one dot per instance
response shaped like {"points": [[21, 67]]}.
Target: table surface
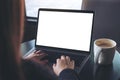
{"points": [[90, 71]]}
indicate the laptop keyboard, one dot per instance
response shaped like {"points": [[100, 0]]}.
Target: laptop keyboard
{"points": [[52, 56]]}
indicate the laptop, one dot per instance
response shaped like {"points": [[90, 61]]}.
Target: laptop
{"points": [[65, 32]]}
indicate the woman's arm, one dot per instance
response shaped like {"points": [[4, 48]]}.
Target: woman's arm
{"points": [[64, 69], [68, 74]]}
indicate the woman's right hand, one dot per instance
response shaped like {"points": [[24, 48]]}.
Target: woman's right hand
{"points": [[63, 63]]}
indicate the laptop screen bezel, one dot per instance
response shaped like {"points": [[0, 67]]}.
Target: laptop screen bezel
{"points": [[49, 48]]}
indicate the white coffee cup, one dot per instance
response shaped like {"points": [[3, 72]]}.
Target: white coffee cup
{"points": [[104, 50]]}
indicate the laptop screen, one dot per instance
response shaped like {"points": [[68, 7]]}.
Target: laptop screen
{"points": [[66, 29]]}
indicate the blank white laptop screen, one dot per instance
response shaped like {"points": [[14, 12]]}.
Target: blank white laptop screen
{"points": [[68, 30]]}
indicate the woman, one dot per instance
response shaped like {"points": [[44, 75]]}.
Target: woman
{"points": [[12, 66]]}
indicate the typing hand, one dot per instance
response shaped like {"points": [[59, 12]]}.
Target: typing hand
{"points": [[37, 57], [63, 63]]}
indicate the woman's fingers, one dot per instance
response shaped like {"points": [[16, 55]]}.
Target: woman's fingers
{"points": [[62, 63], [63, 57], [38, 52], [58, 60], [67, 59], [36, 55], [72, 64]]}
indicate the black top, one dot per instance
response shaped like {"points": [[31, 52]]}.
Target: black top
{"points": [[33, 71], [68, 74]]}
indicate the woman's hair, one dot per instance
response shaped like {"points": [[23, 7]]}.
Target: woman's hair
{"points": [[11, 30]]}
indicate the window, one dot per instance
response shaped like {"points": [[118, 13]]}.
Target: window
{"points": [[32, 6]]}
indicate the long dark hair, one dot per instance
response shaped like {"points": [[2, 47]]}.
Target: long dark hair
{"points": [[11, 29]]}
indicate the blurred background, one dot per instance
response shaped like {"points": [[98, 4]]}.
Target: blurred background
{"points": [[106, 22]]}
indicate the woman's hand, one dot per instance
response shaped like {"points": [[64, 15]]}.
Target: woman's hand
{"points": [[37, 57], [63, 63]]}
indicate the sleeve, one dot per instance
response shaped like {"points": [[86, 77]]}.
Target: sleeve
{"points": [[68, 74]]}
